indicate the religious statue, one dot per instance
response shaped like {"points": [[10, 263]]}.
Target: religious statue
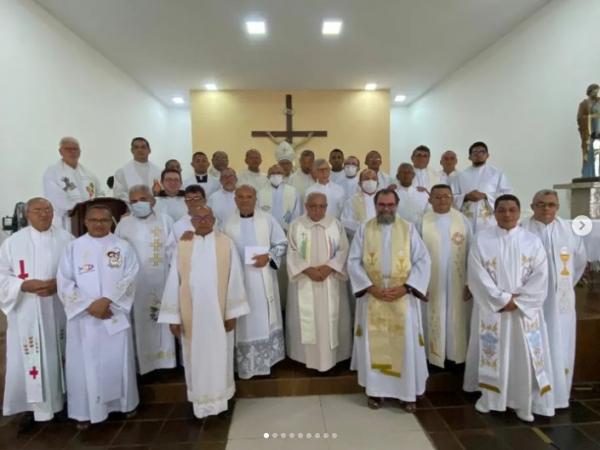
{"points": [[284, 149], [588, 122]]}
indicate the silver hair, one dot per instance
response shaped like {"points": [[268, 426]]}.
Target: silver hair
{"points": [[247, 186], [320, 162], [543, 192], [66, 139], [33, 200], [312, 195], [141, 188]]}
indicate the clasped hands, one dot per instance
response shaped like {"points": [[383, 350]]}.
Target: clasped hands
{"points": [[43, 288], [100, 308], [319, 273], [475, 196], [390, 294], [511, 305]]}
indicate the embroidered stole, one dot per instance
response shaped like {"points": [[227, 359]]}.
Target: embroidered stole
{"points": [[387, 320], [223, 254], [265, 200], [306, 296], [358, 207], [262, 228], [436, 329]]}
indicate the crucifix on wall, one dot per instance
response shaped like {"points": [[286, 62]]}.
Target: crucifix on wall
{"points": [[289, 134]]}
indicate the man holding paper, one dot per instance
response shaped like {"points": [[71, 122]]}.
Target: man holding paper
{"points": [[261, 243], [96, 283]]}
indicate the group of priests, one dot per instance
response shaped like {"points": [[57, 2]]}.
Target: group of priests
{"points": [[323, 263]]}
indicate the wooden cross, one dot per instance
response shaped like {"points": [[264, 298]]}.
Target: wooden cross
{"points": [[289, 132]]}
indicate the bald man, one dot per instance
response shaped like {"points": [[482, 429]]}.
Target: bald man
{"points": [[253, 176], [67, 182], [448, 162]]}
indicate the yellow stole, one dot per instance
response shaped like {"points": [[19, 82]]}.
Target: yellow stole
{"points": [[358, 207], [184, 261], [436, 346], [387, 320]]}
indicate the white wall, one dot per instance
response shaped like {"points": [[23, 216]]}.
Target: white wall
{"points": [[53, 84], [520, 96]]}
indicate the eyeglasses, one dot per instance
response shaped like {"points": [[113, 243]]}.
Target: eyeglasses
{"points": [[542, 205], [194, 198]]}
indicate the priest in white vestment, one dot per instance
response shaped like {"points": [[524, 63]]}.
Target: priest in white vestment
{"points": [[279, 199], [67, 183], [96, 284], [336, 161], [253, 176], [335, 194], [222, 202], [170, 200], [360, 207], [446, 316], [413, 202], [148, 232], [448, 162], [137, 171], [566, 263], [220, 161], [261, 244], [200, 164], [349, 182], [477, 187], [203, 297], [425, 177], [35, 337], [389, 268], [509, 357], [302, 179], [373, 161], [318, 327], [194, 197]]}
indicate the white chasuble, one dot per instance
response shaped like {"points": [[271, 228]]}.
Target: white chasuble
{"points": [[134, 173], [257, 180], [426, 178], [566, 262], [222, 203], [301, 181], [205, 287], [35, 337], [335, 197], [487, 179], [154, 343], [389, 351], [508, 357], [447, 314], [318, 331], [357, 209], [282, 202], [65, 186], [259, 335], [100, 360]]}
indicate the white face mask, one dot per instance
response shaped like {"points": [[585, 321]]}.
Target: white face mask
{"points": [[141, 209], [276, 180], [369, 186], [350, 170]]}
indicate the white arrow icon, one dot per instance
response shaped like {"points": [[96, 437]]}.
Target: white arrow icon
{"points": [[581, 225]]}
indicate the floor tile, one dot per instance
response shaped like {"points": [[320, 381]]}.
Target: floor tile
{"points": [[482, 439], [278, 444], [430, 420], [524, 438], [444, 440], [343, 412], [592, 430], [137, 433], [569, 437], [179, 431], [254, 417], [182, 411], [461, 418], [439, 399], [98, 434], [153, 411], [576, 413], [53, 436], [414, 440]]}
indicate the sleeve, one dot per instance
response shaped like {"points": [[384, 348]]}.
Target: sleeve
{"points": [[481, 284], [420, 270], [10, 284], [579, 259], [459, 195], [338, 262], [74, 299], [53, 192], [295, 263], [298, 208], [120, 186], [122, 294], [359, 279], [347, 218], [236, 304], [169, 306], [532, 293], [99, 187], [278, 242], [503, 187]]}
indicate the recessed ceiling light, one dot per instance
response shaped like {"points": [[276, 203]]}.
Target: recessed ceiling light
{"points": [[256, 27], [331, 27], [400, 98], [210, 86], [178, 100], [370, 86]]}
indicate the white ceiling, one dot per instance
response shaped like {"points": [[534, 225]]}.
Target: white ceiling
{"points": [[407, 46]]}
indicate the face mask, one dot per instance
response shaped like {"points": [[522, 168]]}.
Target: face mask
{"points": [[350, 170], [276, 180], [141, 209], [369, 186]]}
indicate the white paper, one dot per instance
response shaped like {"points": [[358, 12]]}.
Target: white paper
{"points": [[251, 251], [117, 323]]}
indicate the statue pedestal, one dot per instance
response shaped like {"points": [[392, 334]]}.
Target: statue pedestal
{"points": [[585, 198]]}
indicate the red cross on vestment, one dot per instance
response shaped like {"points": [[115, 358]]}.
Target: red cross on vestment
{"points": [[33, 372], [23, 274]]}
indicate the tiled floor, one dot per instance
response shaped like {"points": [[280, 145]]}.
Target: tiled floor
{"points": [[331, 421]]}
